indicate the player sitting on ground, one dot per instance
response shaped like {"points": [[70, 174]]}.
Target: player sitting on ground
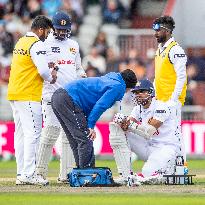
{"points": [[149, 132]]}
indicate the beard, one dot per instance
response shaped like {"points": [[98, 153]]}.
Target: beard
{"points": [[43, 36], [61, 36], [161, 39]]}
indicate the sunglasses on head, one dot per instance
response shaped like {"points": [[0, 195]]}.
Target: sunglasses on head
{"points": [[157, 26]]}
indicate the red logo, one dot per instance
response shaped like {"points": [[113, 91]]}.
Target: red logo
{"points": [[65, 62]]}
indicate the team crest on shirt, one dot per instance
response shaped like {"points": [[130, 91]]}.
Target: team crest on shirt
{"points": [[73, 51]]}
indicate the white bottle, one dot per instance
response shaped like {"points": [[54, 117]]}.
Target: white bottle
{"points": [[179, 170]]}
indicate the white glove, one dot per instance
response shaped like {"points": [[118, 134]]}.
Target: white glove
{"points": [[119, 118]]}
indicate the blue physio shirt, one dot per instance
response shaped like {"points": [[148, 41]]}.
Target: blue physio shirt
{"points": [[95, 95]]}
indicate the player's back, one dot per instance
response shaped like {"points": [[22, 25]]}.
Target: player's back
{"points": [[86, 92]]}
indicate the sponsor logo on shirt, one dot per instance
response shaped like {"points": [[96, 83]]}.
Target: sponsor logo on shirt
{"points": [[65, 62], [20, 51], [73, 50], [179, 55], [55, 49], [41, 52], [160, 111]]}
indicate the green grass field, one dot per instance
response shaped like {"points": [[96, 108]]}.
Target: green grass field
{"points": [[63, 194]]}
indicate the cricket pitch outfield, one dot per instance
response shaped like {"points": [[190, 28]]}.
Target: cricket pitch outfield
{"points": [[63, 194]]}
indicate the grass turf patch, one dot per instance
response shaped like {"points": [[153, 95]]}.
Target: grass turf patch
{"points": [[8, 169], [100, 199]]}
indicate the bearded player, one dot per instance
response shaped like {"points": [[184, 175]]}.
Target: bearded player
{"points": [[65, 53], [170, 70], [150, 132]]}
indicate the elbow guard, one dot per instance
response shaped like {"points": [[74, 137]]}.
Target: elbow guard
{"points": [[143, 130]]}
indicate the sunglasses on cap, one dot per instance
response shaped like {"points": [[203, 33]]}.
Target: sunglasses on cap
{"points": [[157, 26]]}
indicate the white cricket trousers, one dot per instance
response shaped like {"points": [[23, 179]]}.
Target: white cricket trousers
{"points": [[177, 110], [28, 125], [157, 156], [179, 117]]}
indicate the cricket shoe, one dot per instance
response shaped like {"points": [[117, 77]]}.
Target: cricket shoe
{"points": [[38, 179], [134, 180], [120, 180], [131, 180], [155, 179], [23, 180], [20, 180], [62, 181]]}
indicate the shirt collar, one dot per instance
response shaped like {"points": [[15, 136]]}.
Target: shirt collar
{"points": [[166, 44], [30, 33]]}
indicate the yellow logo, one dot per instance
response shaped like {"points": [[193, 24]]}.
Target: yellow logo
{"points": [[63, 22], [73, 50]]}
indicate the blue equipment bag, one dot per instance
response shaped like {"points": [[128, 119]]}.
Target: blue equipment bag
{"points": [[97, 176]]}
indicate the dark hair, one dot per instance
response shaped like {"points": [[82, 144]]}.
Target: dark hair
{"points": [[129, 77], [168, 21], [41, 22]]}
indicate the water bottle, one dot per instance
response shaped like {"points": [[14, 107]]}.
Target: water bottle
{"points": [[186, 170], [179, 169]]}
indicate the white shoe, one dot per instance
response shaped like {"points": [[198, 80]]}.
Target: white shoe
{"points": [[121, 180], [134, 180], [38, 179], [156, 179], [23, 180], [20, 180], [62, 181]]}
